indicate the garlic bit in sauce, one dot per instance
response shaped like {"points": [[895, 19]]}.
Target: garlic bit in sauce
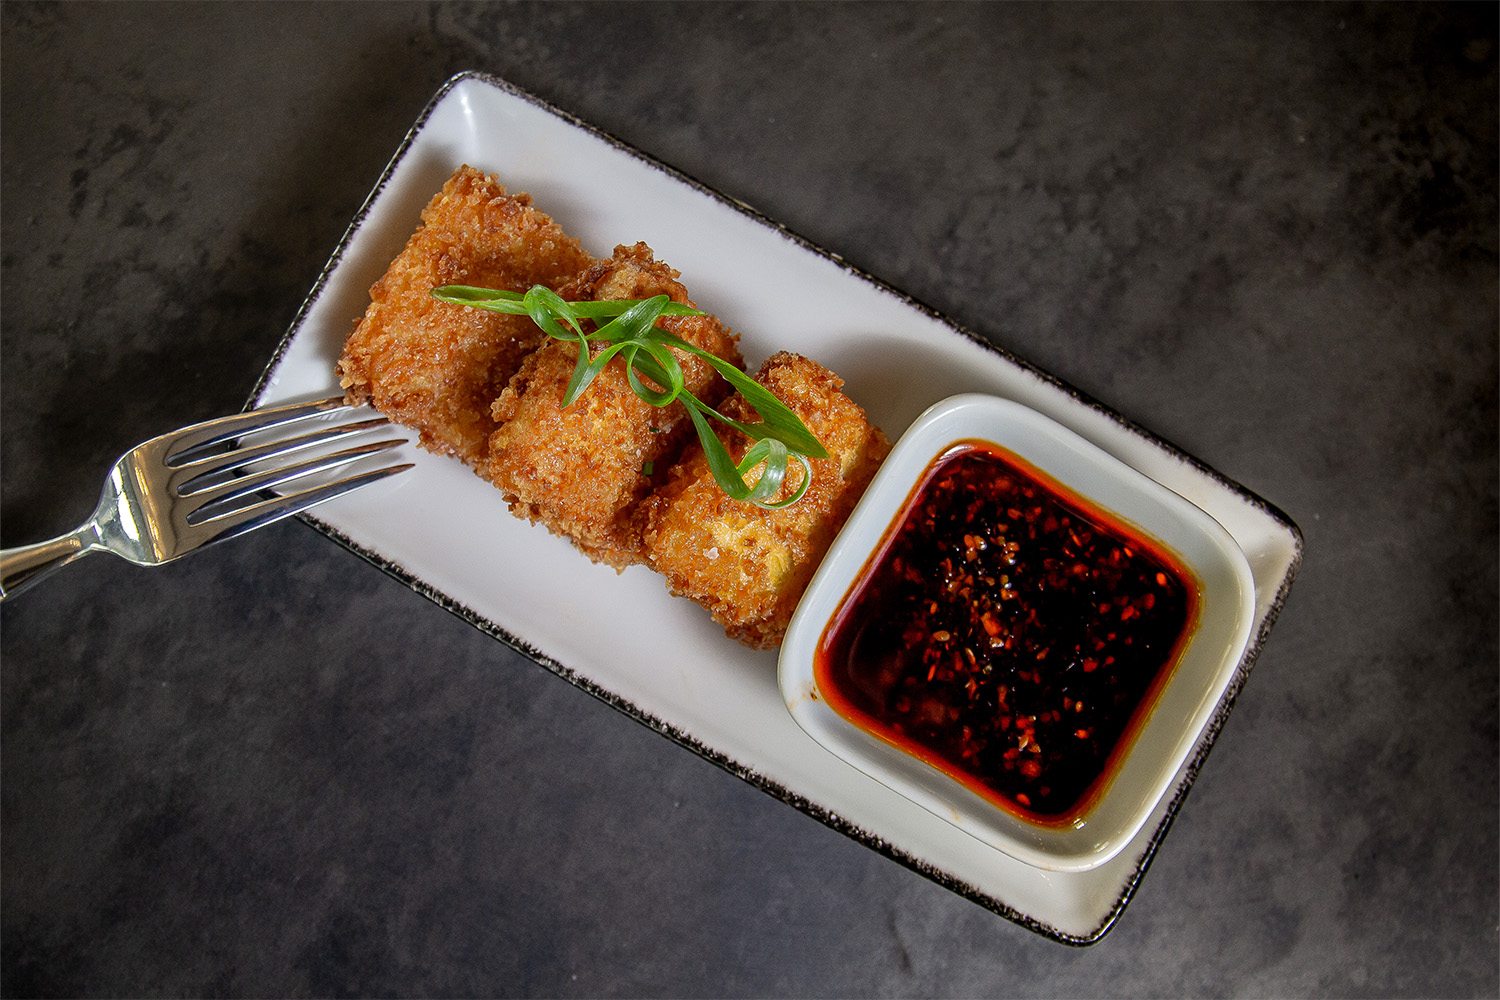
{"points": [[1009, 633]]}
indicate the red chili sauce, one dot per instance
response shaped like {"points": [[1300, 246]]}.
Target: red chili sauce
{"points": [[1009, 633]]}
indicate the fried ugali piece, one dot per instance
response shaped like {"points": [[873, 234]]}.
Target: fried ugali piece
{"points": [[437, 367], [580, 470], [749, 566]]}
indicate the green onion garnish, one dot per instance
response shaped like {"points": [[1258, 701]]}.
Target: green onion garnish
{"points": [[630, 331]]}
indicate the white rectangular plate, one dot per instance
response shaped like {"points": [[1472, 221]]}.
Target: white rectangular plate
{"points": [[449, 535]]}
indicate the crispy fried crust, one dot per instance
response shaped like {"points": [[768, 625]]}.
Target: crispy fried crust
{"points": [[487, 388], [436, 367], [746, 565], [579, 470]]}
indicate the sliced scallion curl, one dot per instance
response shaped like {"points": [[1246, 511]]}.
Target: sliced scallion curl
{"points": [[628, 327]]}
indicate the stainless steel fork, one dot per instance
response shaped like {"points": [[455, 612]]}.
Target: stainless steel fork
{"points": [[212, 481]]}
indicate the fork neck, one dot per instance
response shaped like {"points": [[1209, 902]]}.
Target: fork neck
{"points": [[23, 566]]}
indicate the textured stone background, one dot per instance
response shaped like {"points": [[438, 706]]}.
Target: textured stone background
{"points": [[1268, 233]]}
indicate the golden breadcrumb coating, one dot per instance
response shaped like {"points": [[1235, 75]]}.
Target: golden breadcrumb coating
{"points": [[749, 566], [436, 367], [487, 388], [580, 470]]}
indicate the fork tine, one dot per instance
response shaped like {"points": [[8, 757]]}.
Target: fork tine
{"points": [[257, 515], [204, 436], [214, 501], [221, 466]]}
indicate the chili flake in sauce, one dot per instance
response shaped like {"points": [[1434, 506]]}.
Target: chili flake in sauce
{"points": [[1008, 633]]}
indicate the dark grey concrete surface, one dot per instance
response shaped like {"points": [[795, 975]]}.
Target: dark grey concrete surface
{"points": [[1267, 233]]}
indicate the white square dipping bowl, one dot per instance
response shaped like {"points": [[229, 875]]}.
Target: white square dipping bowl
{"points": [[1157, 744]]}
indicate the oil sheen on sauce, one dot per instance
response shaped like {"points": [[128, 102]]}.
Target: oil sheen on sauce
{"points": [[1008, 633]]}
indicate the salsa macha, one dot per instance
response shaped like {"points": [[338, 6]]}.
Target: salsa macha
{"points": [[1008, 632]]}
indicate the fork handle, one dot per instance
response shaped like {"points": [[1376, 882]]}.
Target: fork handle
{"points": [[21, 567]]}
